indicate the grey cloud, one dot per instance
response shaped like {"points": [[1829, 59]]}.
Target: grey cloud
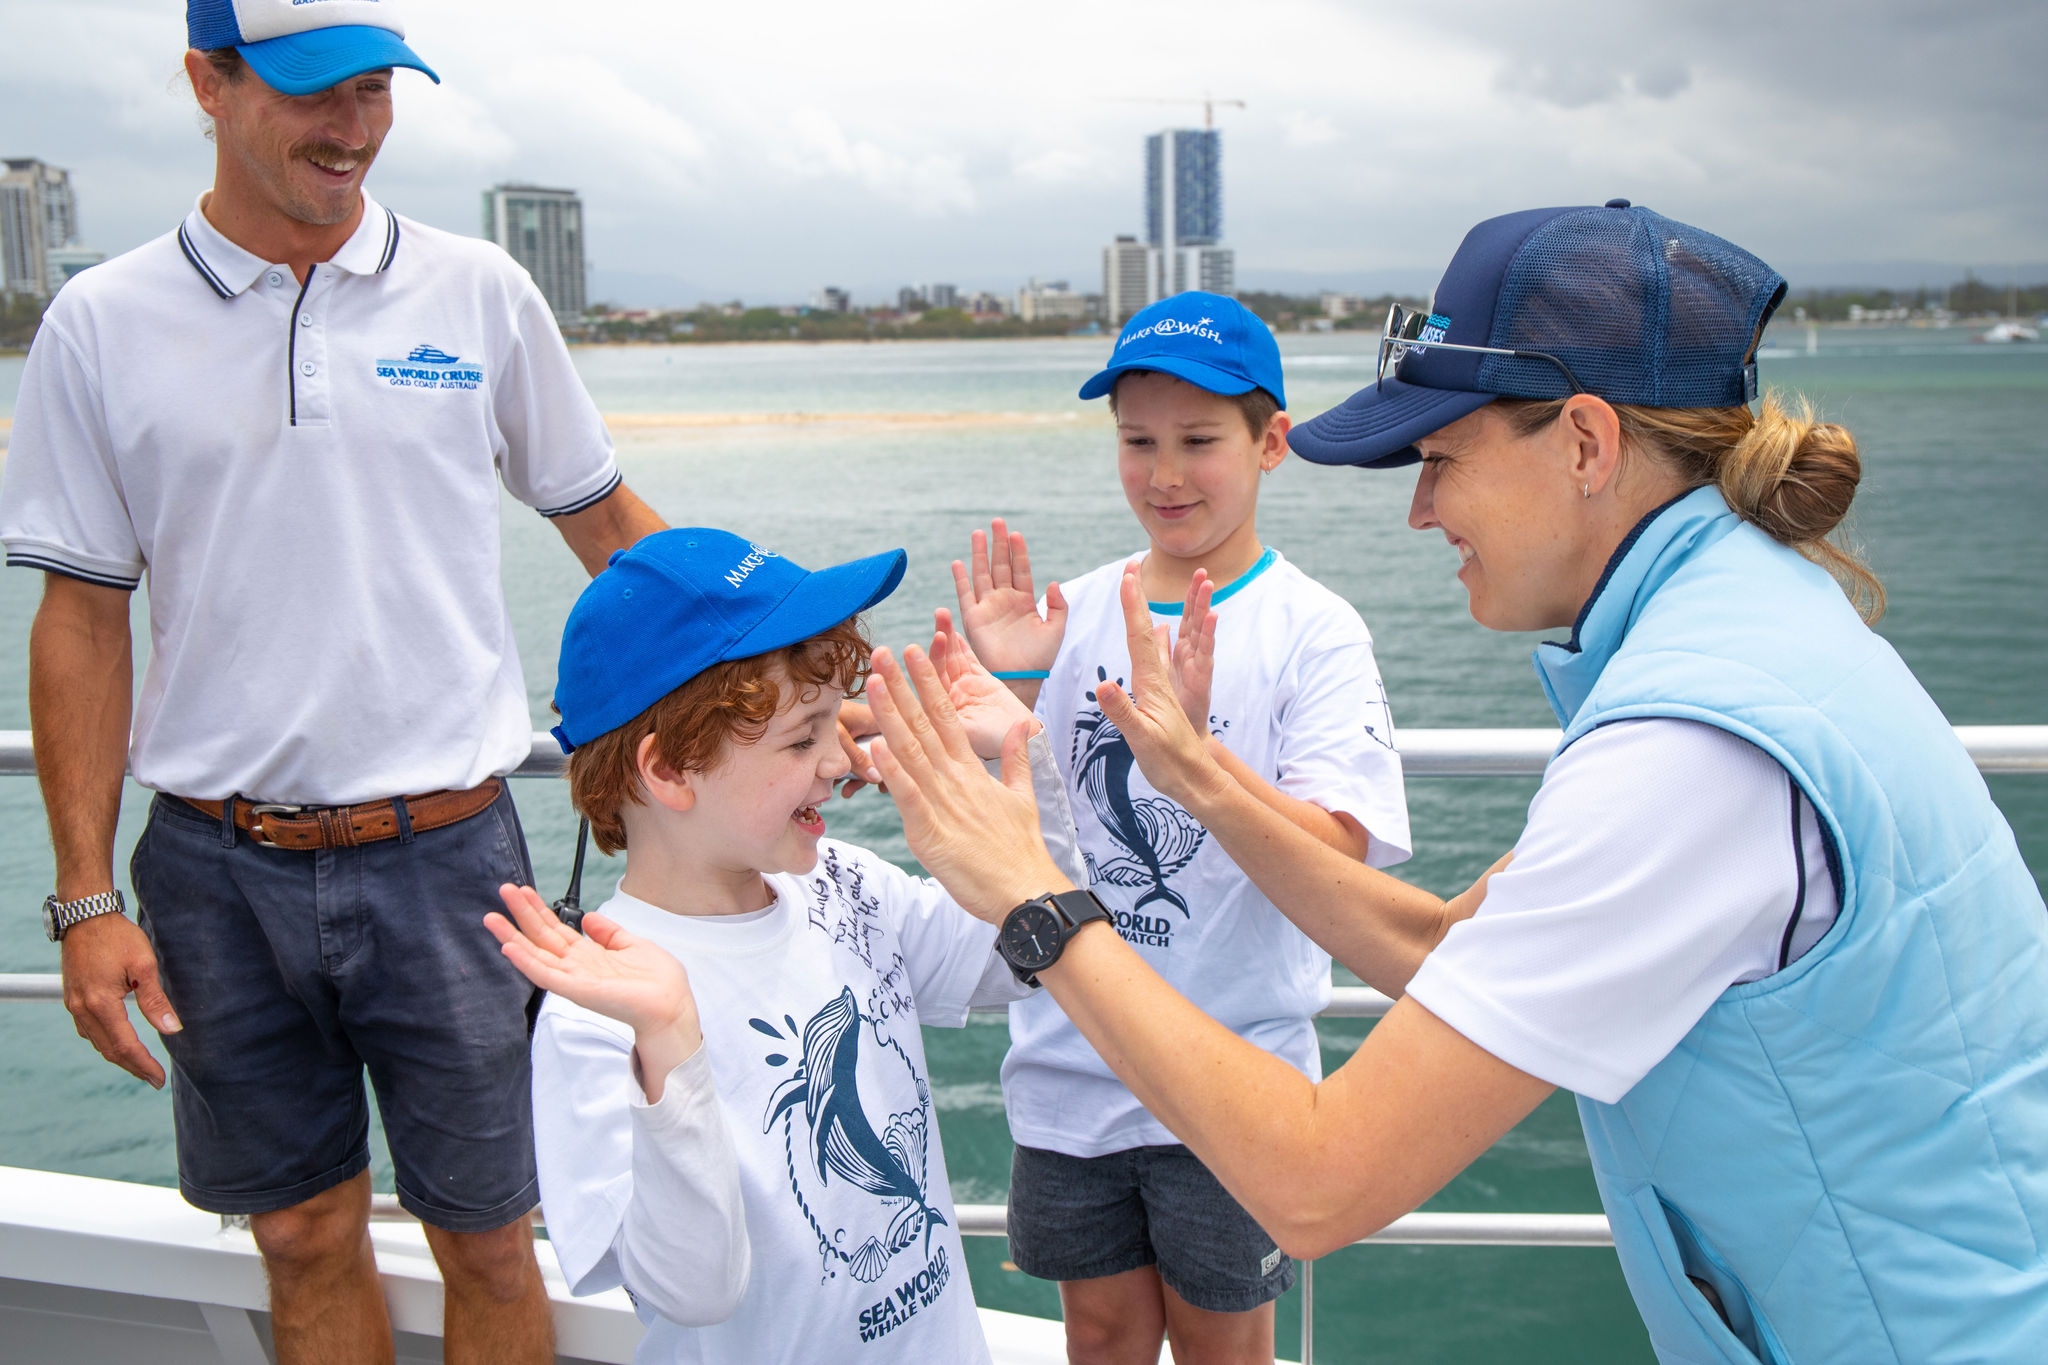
{"points": [[1816, 131]]}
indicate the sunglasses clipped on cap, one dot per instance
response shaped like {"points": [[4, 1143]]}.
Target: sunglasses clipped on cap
{"points": [[1405, 328]]}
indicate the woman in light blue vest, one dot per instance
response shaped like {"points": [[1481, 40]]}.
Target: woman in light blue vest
{"points": [[1765, 920]]}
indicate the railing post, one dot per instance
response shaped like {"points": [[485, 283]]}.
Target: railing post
{"points": [[1308, 1313]]}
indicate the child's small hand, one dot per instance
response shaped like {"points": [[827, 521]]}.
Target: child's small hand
{"points": [[987, 709], [856, 723], [607, 970], [999, 610]]}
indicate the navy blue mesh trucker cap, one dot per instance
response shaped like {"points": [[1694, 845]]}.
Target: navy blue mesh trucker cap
{"points": [[1210, 341], [682, 600], [1642, 310], [301, 47]]}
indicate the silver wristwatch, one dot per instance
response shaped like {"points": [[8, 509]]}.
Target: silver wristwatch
{"points": [[59, 916]]}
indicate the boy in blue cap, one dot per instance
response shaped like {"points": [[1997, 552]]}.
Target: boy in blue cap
{"points": [[1143, 1239], [728, 1069]]}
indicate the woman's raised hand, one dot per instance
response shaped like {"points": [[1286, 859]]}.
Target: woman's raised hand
{"points": [[999, 610], [1194, 653], [987, 709], [977, 835], [1154, 717], [607, 970]]}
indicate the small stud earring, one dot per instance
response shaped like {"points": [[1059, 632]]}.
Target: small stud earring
{"points": [[1585, 490]]}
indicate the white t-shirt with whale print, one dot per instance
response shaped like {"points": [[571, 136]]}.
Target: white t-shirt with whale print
{"points": [[811, 1012], [1297, 696]]}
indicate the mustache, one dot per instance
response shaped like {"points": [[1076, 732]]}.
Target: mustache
{"points": [[328, 150]]}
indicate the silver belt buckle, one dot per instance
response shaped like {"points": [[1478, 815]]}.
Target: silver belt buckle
{"points": [[263, 808]]}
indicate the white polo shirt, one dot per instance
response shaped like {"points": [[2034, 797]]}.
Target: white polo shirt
{"points": [[309, 476]]}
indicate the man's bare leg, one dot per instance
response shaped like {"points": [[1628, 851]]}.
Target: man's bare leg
{"points": [[1200, 1337], [326, 1305], [1114, 1319], [496, 1309]]}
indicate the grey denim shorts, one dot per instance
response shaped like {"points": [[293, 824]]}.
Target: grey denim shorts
{"points": [[294, 973], [1077, 1218]]}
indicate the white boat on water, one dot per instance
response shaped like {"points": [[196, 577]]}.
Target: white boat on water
{"points": [[2008, 331], [100, 1270]]}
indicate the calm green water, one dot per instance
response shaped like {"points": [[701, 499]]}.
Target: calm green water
{"points": [[1956, 439]]}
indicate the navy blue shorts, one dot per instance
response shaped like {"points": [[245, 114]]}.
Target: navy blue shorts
{"points": [[294, 972], [1078, 1218]]}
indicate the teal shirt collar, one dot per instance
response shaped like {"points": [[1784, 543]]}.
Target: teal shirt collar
{"points": [[1652, 552], [1228, 590]]}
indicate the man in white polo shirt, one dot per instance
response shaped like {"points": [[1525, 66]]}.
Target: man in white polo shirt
{"points": [[294, 414]]}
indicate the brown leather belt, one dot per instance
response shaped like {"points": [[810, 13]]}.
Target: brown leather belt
{"points": [[305, 828]]}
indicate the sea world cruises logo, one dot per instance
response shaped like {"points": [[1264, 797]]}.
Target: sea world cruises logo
{"points": [[1435, 329], [428, 367], [1172, 327]]}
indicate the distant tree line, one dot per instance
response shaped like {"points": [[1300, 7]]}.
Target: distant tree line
{"points": [[1970, 297], [19, 318], [732, 322]]}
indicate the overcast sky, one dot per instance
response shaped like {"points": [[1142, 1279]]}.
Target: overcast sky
{"points": [[760, 150]]}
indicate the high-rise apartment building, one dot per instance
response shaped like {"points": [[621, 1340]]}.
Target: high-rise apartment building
{"points": [[37, 215], [542, 229], [1184, 187], [1183, 246], [1126, 279]]}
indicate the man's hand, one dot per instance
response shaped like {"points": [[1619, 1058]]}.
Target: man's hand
{"points": [[1153, 718], [105, 958], [987, 709], [1000, 612], [607, 970], [978, 836], [856, 723]]}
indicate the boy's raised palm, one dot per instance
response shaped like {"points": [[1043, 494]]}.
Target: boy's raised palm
{"points": [[987, 709], [604, 968], [998, 608]]}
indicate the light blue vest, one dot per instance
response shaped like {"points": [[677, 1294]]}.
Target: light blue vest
{"points": [[1853, 1152]]}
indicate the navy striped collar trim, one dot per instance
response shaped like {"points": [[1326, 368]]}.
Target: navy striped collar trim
{"points": [[1228, 590], [227, 269]]}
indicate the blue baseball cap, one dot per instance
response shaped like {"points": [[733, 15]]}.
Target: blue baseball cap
{"points": [[1633, 306], [1212, 342], [301, 47], [682, 600]]}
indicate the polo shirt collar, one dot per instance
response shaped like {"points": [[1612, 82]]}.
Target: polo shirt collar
{"points": [[228, 270]]}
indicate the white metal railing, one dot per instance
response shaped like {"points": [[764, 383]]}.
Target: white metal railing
{"points": [[1424, 753]]}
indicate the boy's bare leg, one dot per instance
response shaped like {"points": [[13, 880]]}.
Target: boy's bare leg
{"points": [[496, 1307], [326, 1305], [1200, 1337], [1114, 1319]]}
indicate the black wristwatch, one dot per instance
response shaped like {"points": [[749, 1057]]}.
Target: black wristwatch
{"points": [[1035, 934], [59, 916]]}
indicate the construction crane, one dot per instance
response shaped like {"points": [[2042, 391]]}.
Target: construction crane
{"points": [[1207, 102]]}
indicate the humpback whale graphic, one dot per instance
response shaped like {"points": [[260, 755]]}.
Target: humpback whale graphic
{"points": [[843, 1140], [1159, 837]]}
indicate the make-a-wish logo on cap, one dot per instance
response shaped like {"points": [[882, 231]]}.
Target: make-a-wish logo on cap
{"points": [[429, 367], [752, 560], [1169, 327]]}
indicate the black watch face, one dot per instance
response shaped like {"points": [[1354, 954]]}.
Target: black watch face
{"points": [[1031, 938]]}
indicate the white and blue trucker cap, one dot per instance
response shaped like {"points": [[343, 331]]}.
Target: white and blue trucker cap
{"points": [[301, 47], [1636, 307]]}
